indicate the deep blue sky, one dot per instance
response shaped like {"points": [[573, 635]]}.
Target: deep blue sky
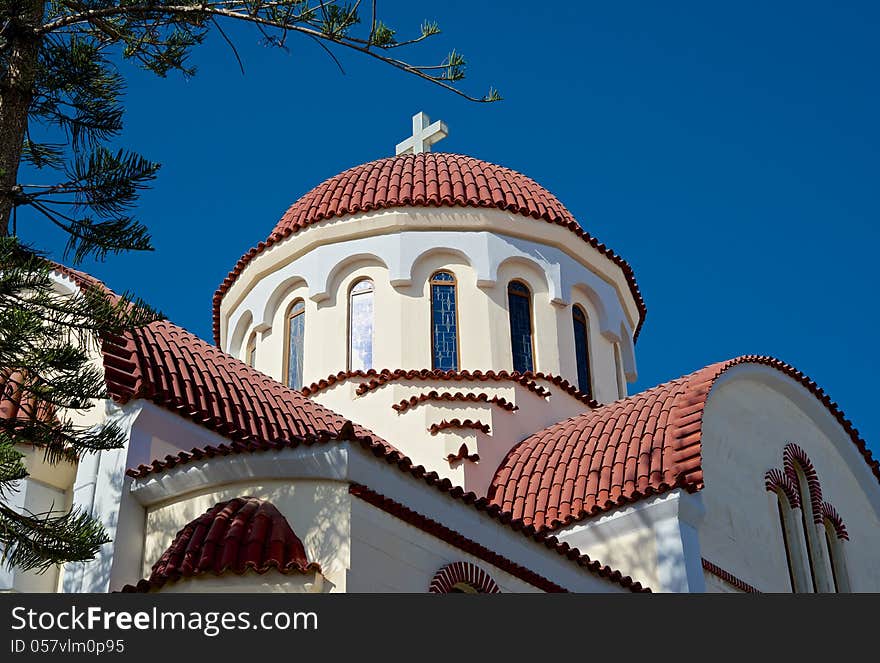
{"points": [[728, 152]]}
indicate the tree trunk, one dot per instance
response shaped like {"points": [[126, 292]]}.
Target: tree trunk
{"points": [[16, 93]]}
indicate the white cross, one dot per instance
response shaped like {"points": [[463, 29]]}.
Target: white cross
{"points": [[423, 136]]}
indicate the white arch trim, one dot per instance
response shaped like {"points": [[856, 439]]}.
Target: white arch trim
{"points": [[400, 252]]}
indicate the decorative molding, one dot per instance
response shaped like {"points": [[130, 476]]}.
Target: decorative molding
{"points": [[776, 480], [459, 397], [462, 572], [793, 455], [463, 454], [786, 481], [729, 578], [458, 424], [379, 378], [830, 514]]}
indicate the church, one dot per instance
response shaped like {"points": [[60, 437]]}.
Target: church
{"points": [[419, 383]]}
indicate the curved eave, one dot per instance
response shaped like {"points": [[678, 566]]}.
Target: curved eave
{"points": [[668, 418]]}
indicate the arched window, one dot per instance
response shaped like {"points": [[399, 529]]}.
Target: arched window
{"points": [[360, 326], [296, 327], [444, 322], [250, 355], [582, 349], [812, 528], [519, 305], [462, 578], [835, 534]]}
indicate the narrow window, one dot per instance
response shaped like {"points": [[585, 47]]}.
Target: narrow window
{"points": [[836, 558], [782, 504], [582, 349], [360, 326], [806, 505], [251, 352], [829, 543], [296, 325], [444, 322], [621, 376], [519, 303]]}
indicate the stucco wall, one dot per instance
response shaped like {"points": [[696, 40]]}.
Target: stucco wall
{"points": [[749, 418], [409, 430], [388, 555]]}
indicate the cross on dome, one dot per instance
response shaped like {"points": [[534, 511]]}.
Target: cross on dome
{"points": [[423, 136]]}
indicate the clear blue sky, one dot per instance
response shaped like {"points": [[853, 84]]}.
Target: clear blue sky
{"points": [[729, 153]]}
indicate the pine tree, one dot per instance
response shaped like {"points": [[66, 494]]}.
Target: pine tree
{"points": [[60, 109]]}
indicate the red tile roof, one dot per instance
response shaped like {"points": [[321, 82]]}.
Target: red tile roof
{"points": [[177, 370], [17, 405], [624, 451], [241, 535], [173, 368], [430, 179]]}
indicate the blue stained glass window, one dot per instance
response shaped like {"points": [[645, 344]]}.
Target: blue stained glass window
{"points": [[582, 350], [360, 326], [444, 322], [296, 327], [519, 301]]}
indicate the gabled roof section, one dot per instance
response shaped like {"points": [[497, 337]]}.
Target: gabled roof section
{"points": [[240, 535], [625, 451], [175, 369], [429, 179]]}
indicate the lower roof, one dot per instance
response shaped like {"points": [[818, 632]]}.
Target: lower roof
{"points": [[622, 452], [241, 535]]}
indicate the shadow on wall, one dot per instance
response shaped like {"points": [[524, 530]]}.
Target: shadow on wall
{"points": [[90, 576], [630, 544]]}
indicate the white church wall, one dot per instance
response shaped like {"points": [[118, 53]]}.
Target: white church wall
{"points": [[322, 260], [475, 525], [317, 510], [389, 555], [260, 273], [42, 494], [271, 582], [715, 585], [409, 430], [284, 477], [654, 541], [751, 414], [99, 491]]}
